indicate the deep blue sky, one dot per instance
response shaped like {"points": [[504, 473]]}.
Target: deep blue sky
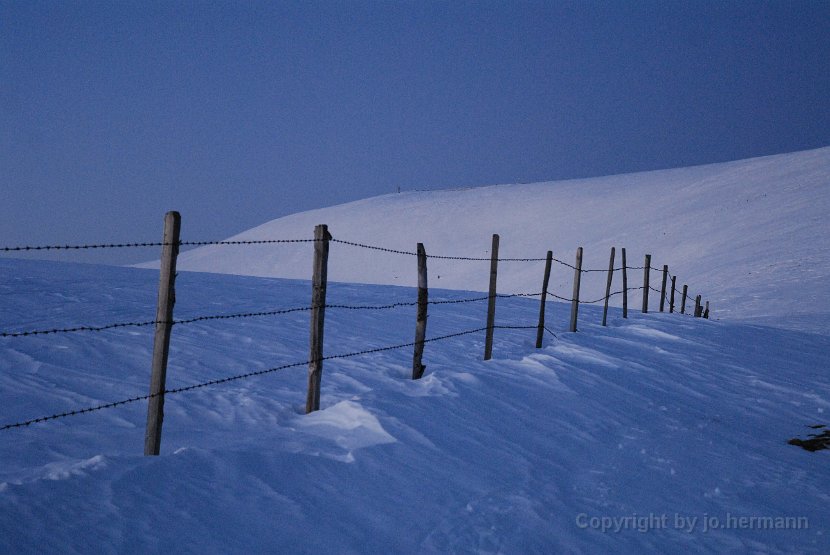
{"points": [[235, 113]]}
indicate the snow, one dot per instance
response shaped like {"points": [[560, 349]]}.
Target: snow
{"points": [[751, 236], [659, 433]]}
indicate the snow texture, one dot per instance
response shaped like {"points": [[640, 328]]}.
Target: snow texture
{"points": [[658, 433]]}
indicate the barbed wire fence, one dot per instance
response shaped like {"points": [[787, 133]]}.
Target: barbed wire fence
{"points": [[164, 321]]}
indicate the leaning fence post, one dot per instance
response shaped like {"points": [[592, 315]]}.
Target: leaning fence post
{"points": [[164, 325], [673, 288], [646, 271], [697, 307], [421, 321], [541, 330], [577, 278], [491, 304], [683, 304], [625, 285], [318, 315], [608, 287], [663, 288]]}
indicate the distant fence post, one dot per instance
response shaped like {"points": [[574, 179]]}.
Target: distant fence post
{"points": [[625, 285], [318, 315], [575, 299], [164, 325], [673, 289], [663, 287], [683, 303], [697, 307], [541, 330], [608, 287], [706, 311], [491, 304], [646, 272], [421, 321]]}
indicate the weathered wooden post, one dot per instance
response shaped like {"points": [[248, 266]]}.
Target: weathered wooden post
{"points": [[319, 281], [491, 304], [706, 311], [421, 321], [663, 287], [673, 288], [164, 325], [575, 298], [608, 287], [697, 307], [646, 271], [683, 303], [625, 285], [541, 329]]}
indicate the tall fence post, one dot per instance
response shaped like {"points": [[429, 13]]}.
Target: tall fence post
{"points": [[608, 287], [673, 289], [421, 321], [646, 271], [625, 285], [697, 307], [663, 287], [575, 298], [319, 282], [164, 325], [541, 330], [491, 304], [683, 303]]}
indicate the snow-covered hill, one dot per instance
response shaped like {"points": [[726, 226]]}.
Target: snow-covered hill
{"points": [[659, 433], [750, 235]]}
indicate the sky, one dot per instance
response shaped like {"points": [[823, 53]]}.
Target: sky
{"points": [[112, 113]]}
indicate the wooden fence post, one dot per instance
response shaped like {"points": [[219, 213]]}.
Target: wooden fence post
{"points": [[646, 272], [608, 287], [541, 330], [625, 285], [491, 304], [319, 281], [575, 299], [673, 288], [697, 307], [421, 321], [164, 325], [706, 311], [663, 287], [683, 303]]}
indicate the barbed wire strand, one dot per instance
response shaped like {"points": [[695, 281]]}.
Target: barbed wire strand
{"points": [[225, 380], [154, 322], [25, 248], [468, 258], [252, 315], [150, 244], [298, 309], [436, 256]]}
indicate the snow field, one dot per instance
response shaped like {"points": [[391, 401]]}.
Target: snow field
{"points": [[656, 415]]}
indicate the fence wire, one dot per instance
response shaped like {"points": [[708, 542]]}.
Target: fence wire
{"points": [[251, 315], [24, 248], [246, 375]]}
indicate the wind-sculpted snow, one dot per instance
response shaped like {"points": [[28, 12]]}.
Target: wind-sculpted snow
{"points": [[659, 433]]}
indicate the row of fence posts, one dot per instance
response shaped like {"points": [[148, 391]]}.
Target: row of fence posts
{"points": [[322, 237]]}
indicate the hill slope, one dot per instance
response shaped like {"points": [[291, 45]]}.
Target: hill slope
{"points": [[748, 235]]}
